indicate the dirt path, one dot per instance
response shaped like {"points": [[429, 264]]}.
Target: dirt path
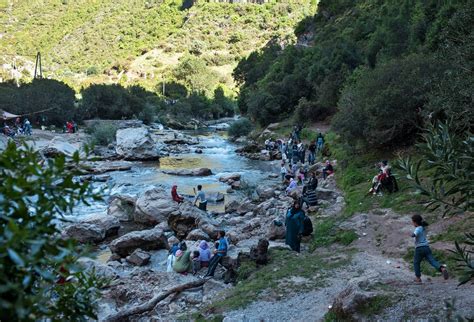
{"points": [[376, 268]]}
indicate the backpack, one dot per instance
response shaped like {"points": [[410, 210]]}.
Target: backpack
{"points": [[307, 226]]}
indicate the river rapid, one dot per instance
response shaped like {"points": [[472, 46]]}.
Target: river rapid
{"points": [[218, 154]]}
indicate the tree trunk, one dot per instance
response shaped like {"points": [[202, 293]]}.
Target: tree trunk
{"points": [[125, 314]]}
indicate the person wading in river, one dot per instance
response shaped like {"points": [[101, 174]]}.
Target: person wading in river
{"points": [[201, 196]]}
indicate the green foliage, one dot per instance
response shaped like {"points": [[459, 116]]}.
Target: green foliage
{"points": [[50, 100], [449, 158], [240, 128], [379, 117], [195, 74], [465, 262], [102, 133], [34, 194], [116, 102], [120, 36], [387, 66]]}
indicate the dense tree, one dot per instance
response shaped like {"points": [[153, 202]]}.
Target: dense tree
{"points": [[51, 100]]}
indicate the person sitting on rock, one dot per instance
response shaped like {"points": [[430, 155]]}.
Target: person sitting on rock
{"points": [[219, 253], [196, 262], [182, 263], [174, 194], [204, 254], [201, 196], [294, 226], [292, 186], [328, 169], [312, 183]]}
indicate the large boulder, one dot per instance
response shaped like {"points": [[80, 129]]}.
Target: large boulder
{"points": [[109, 224], [186, 219], [121, 207], [232, 176], [198, 234], [326, 194], [265, 192], [139, 257], [136, 144], [145, 239], [58, 146], [215, 197], [102, 270], [275, 231], [153, 207], [84, 233], [199, 172]]}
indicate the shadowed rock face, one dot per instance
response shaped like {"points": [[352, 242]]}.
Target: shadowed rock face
{"points": [[200, 172], [150, 239]]}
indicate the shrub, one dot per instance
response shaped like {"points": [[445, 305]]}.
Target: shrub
{"points": [[240, 128], [103, 133], [34, 195]]}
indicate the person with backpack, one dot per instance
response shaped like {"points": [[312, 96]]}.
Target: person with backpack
{"points": [[422, 249], [294, 226]]}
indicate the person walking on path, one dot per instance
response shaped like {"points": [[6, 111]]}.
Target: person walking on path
{"points": [[294, 226], [320, 142], [422, 249], [219, 253]]}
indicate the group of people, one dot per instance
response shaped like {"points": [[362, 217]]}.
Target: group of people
{"points": [[18, 128], [184, 261], [70, 127], [384, 180], [199, 199]]}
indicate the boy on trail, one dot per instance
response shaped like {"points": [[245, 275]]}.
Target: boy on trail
{"points": [[201, 196], [219, 253], [422, 249], [320, 142]]}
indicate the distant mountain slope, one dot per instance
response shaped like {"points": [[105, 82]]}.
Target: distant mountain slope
{"points": [[85, 41]]}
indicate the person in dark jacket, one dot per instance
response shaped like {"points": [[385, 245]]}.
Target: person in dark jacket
{"points": [[294, 226]]}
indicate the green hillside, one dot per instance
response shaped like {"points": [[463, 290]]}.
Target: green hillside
{"points": [[91, 41]]}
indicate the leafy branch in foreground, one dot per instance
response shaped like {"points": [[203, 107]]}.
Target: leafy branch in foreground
{"points": [[39, 277], [465, 264], [448, 158]]}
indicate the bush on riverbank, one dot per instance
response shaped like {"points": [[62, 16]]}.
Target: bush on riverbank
{"points": [[240, 128], [102, 133], [35, 258]]}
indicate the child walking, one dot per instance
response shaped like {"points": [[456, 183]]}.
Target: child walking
{"points": [[422, 249]]}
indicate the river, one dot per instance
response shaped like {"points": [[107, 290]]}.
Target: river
{"points": [[218, 154]]}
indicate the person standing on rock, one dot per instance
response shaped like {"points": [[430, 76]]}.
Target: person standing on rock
{"points": [[294, 226], [219, 253], [422, 249], [201, 196]]}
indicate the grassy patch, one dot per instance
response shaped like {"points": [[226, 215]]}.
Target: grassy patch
{"points": [[354, 173], [283, 266], [326, 233], [375, 305]]}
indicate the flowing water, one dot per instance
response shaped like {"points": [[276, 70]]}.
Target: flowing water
{"points": [[218, 155]]}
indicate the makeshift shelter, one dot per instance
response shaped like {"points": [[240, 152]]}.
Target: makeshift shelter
{"points": [[4, 115]]}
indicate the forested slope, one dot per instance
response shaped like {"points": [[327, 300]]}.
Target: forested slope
{"points": [[383, 68], [85, 41]]}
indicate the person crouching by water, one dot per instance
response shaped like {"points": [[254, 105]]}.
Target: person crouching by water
{"points": [[219, 253], [422, 249], [294, 226], [201, 196], [174, 194]]}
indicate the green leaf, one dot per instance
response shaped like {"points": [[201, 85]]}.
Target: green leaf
{"points": [[15, 257]]}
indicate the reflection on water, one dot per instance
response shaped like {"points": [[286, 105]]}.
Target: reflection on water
{"points": [[218, 155]]}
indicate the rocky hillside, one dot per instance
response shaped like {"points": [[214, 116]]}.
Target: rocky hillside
{"points": [[88, 41]]}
